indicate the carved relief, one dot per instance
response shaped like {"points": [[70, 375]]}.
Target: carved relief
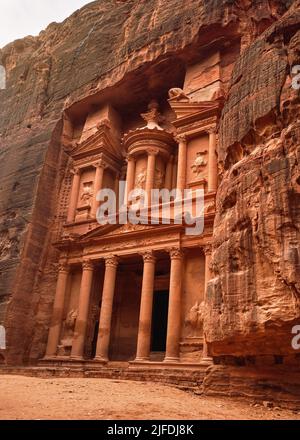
{"points": [[87, 194], [64, 349], [141, 179], [199, 163], [177, 94], [194, 319]]}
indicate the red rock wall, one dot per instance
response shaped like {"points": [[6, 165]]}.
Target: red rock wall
{"points": [[254, 297], [103, 44]]}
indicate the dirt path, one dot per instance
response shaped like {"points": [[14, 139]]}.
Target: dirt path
{"points": [[89, 399]]}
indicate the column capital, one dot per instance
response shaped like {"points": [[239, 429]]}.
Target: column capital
{"points": [[152, 151], [87, 265], [212, 130], [63, 266], [130, 158], [75, 171], [100, 164], [148, 257], [176, 253], [181, 138], [112, 261]]}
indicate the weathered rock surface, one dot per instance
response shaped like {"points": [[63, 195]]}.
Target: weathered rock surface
{"points": [[254, 297], [109, 43]]}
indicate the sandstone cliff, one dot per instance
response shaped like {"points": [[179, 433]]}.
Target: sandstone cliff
{"points": [[110, 42]]}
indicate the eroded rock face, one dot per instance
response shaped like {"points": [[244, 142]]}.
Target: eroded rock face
{"points": [[105, 44], [254, 297]]}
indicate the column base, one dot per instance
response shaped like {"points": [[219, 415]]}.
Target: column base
{"points": [[206, 361], [171, 360], [101, 359], [76, 358], [142, 359], [49, 357]]}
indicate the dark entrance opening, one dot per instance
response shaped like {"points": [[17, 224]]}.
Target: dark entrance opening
{"points": [[160, 320]]}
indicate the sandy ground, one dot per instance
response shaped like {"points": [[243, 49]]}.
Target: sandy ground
{"points": [[99, 399]]}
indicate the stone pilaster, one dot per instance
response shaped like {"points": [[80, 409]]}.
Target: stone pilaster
{"points": [[111, 265], [169, 173], [144, 334], [212, 162], [100, 167], [174, 313], [74, 196], [58, 309], [83, 310], [182, 162]]}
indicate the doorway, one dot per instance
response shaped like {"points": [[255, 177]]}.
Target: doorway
{"points": [[159, 321]]}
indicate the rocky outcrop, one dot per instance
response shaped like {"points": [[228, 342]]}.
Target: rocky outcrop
{"points": [[254, 297]]}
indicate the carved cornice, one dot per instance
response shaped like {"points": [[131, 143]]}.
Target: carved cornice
{"points": [[112, 261], [176, 253]]}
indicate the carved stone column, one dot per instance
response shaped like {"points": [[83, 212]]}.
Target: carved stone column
{"points": [[111, 265], [130, 177], [169, 173], [206, 360], [74, 196], [83, 310], [212, 162], [182, 162], [174, 313], [58, 309], [144, 334], [150, 179], [100, 167]]}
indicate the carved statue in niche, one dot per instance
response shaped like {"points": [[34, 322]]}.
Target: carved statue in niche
{"points": [[141, 179], [64, 349], [178, 94], [194, 319], [159, 179], [87, 194], [199, 163]]}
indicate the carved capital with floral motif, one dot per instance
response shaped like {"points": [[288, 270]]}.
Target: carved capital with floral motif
{"points": [[176, 253], [149, 257], [112, 261]]}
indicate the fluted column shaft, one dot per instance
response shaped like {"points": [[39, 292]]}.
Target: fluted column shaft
{"points": [[174, 313], [100, 167], [83, 310], [74, 196], [111, 265], [212, 163], [144, 333], [58, 309], [182, 162]]}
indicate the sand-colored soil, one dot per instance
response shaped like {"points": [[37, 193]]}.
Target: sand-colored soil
{"points": [[100, 399]]}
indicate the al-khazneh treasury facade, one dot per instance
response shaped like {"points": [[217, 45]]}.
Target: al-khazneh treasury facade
{"points": [[125, 292]]}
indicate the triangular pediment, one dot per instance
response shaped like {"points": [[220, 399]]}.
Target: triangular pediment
{"points": [[115, 230], [102, 140]]}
